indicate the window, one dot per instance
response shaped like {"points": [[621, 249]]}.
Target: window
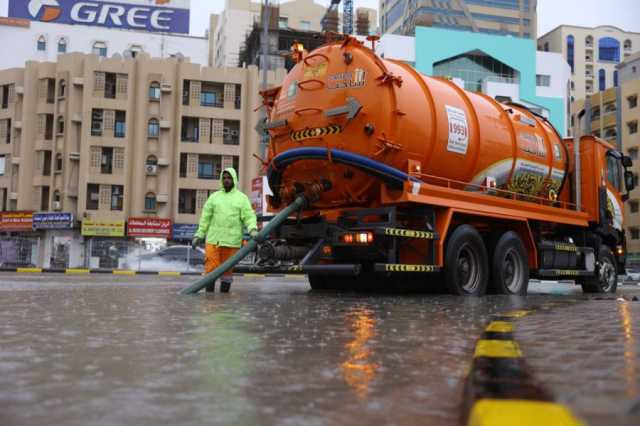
{"points": [[5, 130], [150, 202], [609, 49], [100, 49], [634, 69], [546, 46], [633, 153], [610, 132], [44, 198], [601, 79], [62, 89], [152, 160], [62, 46], [209, 166], [573, 86], [117, 197], [135, 49], [190, 129], [305, 25], [635, 233], [632, 101], [51, 90], [186, 92], [93, 196], [633, 127], [96, 122], [231, 132], [613, 171], [588, 41], [4, 96], [187, 201], [633, 206], [3, 164], [154, 91], [60, 125], [110, 84], [121, 127], [154, 128], [184, 161], [615, 78], [208, 98], [58, 162], [46, 163], [106, 161], [595, 113], [627, 45], [543, 80], [283, 22], [48, 126], [42, 44], [570, 51]]}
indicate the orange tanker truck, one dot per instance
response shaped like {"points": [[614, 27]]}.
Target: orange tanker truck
{"points": [[412, 179]]}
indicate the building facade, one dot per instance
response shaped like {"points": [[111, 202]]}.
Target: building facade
{"points": [[517, 18], [506, 68], [106, 140], [614, 115], [231, 28], [44, 41], [592, 54]]}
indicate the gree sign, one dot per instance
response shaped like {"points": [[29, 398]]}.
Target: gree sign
{"points": [[147, 15]]}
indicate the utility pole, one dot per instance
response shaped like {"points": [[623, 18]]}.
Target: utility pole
{"points": [[264, 137]]}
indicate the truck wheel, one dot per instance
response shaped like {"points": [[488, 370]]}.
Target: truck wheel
{"points": [[510, 266], [466, 269], [606, 278]]}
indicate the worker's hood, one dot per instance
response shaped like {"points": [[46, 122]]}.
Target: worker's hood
{"points": [[233, 174]]}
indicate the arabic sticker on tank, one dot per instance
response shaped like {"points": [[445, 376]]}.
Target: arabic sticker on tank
{"points": [[346, 80], [458, 130], [533, 144], [528, 178]]}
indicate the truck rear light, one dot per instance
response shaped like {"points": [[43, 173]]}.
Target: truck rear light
{"points": [[358, 238], [620, 250]]}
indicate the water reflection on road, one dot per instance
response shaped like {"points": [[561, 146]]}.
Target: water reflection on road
{"points": [[106, 350]]}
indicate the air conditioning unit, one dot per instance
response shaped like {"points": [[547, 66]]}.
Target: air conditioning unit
{"points": [[235, 132], [151, 169], [165, 87], [225, 131], [57, 205]]}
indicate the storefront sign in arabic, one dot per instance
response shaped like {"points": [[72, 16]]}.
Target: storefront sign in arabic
{"points": [[103, 228], [149, 227], [52, 221], [184, 231], [16, 221]]}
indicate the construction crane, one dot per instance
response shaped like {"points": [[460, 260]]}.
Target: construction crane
{"points": [[347, 15]]}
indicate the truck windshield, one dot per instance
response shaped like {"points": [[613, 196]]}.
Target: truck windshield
{"points": [[614, 171]]}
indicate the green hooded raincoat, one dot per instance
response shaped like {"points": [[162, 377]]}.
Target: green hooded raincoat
{"points": [[225, 215]]}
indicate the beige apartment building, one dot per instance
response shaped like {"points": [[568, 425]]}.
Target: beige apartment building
{"points": [[592, 54], [516, 18], [109, 139], [614, 115]]}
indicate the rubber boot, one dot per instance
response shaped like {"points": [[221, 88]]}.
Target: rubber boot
{"points": [[211, 287], [225, 285]]}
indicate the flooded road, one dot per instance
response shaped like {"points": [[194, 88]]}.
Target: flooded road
{"points": [[106, 350]]}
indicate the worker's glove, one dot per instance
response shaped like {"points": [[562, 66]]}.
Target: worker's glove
{"points": [[253, 233], [195, 242]]}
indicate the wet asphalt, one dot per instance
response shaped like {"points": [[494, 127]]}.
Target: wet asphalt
{"points": [[107, 350]]}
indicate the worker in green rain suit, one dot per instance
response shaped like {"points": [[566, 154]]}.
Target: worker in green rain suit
{"points": [[225, 215]]}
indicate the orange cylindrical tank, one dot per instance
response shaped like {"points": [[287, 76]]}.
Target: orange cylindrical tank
{"points": [[343, 96]]}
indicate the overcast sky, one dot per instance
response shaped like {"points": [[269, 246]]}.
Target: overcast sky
{"points": [[551, 13]]}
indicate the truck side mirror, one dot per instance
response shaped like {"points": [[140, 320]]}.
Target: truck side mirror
{"points": [[629, 181], [626, 161]]}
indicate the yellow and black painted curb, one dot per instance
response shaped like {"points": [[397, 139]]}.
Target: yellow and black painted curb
{"points": [[500, 388], [82, 271]]}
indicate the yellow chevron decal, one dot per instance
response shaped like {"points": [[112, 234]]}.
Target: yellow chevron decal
{"points": [[565, 247], [409, 268], [409, 233], [315, 132]]}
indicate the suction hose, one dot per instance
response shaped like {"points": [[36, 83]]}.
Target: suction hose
{"points": [[386, 173], [248, 248]]}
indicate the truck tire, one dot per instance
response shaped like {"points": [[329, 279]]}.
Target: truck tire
{"points": [[606, 278], [509, 266], [466, 268]]}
